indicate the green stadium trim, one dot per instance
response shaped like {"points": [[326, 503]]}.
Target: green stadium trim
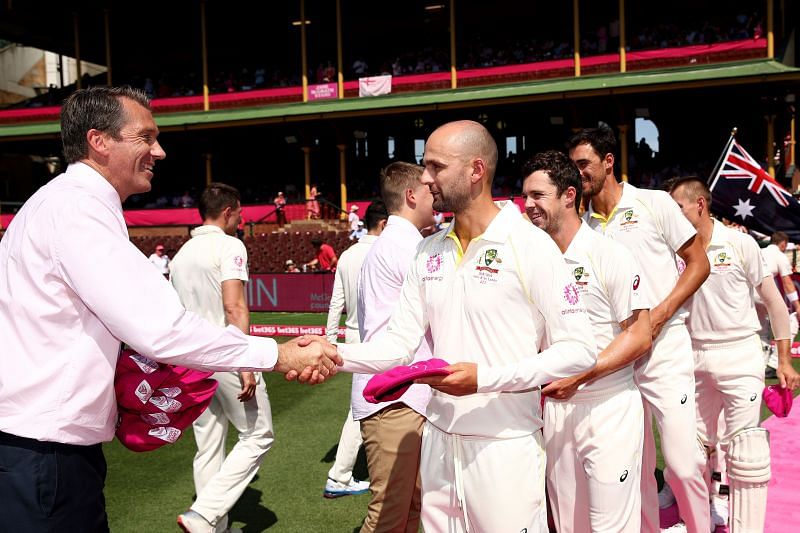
{"points": [[747, 72]]}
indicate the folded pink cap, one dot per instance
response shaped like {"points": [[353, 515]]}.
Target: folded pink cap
{"points": [[778, 399], [393, 383], [156, 402]]}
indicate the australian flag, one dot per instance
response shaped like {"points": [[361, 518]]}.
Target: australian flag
{"points": [[745, 193]]}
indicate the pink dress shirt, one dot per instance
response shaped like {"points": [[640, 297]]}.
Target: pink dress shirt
{"points": [[379, 285], [72, 287]]}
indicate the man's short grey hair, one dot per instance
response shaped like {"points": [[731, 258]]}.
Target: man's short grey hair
{"points": [[98, 108]]}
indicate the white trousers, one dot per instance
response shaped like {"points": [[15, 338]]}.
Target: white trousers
{"points": [[594, 461], [347, 451], [665, 378], [220, 480], [479, 484], [729, 379]]}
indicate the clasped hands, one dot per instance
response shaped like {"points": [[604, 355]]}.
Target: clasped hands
{"points": [[308, 359]]}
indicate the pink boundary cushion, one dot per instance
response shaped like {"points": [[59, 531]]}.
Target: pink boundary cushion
{"points": [[393, 383], [778, 400]]}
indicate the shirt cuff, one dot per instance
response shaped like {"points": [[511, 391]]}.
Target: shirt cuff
{"points": [[262, 352]]}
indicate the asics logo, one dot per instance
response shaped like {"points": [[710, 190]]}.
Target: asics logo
{"points": [[623, 477], [683, 399], [753, 397]]}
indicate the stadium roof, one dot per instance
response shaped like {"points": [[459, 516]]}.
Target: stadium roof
{"points": [[750, 72]]}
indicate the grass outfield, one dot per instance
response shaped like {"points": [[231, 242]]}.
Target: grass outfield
{"points": [[146, 491]]}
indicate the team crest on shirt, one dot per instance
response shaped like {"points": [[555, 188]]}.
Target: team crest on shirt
{"points": [[484, 272], [629, 219], [581, 275], [722, 261]]}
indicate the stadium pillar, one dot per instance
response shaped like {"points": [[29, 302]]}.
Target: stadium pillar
{"points": [[307, 169], [204, 51], [343, 176], [107, 28], [339, 60], [576, 36], [623, 150], [76, 25], [304, 57], [622, 60], [770, 29], [453, 59]]}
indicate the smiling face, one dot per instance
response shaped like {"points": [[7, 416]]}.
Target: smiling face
{"points": [[592, 166], [542, 204], [132, 156]]}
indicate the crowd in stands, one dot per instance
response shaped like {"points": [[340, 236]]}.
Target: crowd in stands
{"points": [[478, 52]]}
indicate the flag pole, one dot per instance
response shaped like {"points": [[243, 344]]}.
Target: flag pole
{"points": [[715, 173]]}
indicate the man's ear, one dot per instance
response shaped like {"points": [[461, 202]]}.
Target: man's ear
{"points": [[608, 162], [97, 141], [478, 171], [570, 194]]}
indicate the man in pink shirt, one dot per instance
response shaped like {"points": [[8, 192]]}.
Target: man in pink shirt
{"points": [[392, 431], [64, 314]]}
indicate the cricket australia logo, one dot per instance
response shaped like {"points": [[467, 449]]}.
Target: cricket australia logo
{"points": [[721, 257], [628, 215], [490, 256], [628, 218], [578, 273]]}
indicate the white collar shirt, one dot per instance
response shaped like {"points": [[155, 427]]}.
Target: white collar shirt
{"points": [[161, 262], [608, 279], [506, 304], [72, 286], [650, 224], [382, 274], [723, 308], [344, 295]]}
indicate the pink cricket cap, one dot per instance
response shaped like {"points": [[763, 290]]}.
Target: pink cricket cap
{"points": [[778, 399], [393, 383]]}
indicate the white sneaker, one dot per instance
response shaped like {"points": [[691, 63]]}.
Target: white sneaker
{"points": [[192, 522], [665, 498], [719, 513], [680, 527], [334, 489]]}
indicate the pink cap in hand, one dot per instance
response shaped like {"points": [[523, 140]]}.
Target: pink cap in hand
{"points": [[393, 383]]}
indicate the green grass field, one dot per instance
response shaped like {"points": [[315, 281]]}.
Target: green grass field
{"points": [[146, 491]]}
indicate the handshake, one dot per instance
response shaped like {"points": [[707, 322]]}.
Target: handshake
{"points": [[308, 359]]}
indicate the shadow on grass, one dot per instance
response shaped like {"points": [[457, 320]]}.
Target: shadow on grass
{"points": [[252, 513]]}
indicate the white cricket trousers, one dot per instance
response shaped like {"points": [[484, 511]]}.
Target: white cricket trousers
{"points": [[594, 460], [729, 378], [482, 485], [665, 378], [220, 480], [350, 438]]}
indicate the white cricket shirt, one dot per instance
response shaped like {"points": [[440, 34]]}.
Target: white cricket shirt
{"points": [[505, 304], [777, 262], [609, 281], [650, 224], [344, 295], [723, 308], [202, 264]]}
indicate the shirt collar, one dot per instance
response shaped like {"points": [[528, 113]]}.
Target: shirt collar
{"points": [[499, 228], [206, 229], [96, 182], [579, 244], [629, 195], [368, 239], [718, 234], [404, 225]]}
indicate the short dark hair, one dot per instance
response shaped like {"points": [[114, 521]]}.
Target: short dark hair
{"points": [[215, 198], [694, 187], [601, 139], [376, 211], [778, 237], [98, 108], [560, 169], [395, 179], [316, 242]]}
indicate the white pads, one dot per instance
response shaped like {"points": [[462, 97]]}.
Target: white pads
{"points": [[748, 475]]}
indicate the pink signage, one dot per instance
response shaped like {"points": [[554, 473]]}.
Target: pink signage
{"points": [[323, 91], [290, 292]]}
